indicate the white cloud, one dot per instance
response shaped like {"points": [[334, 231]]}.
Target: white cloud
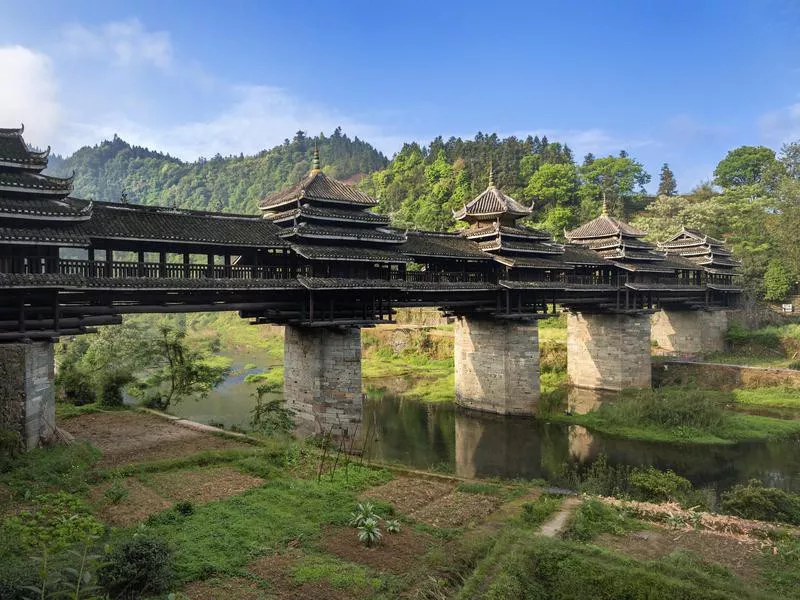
{"points": [[782, 125], [123, 43], [687, 129], [29, 94]]}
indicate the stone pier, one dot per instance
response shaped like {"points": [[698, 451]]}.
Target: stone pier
{"points": [[608, 351], [694, 332], [322, 379], [497, 365], [27, 396]]}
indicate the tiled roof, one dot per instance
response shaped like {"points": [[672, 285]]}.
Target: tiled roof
{"points": [[518, 231], [64, 209], [695, 234], [33, 183], [448, 286], [10, 280], [532, 285], [519, 262], [329, 214], [135, 222], [68, 235], [441, 245], [603, 226], [14, 152], [345, 283], [349, 253], [644, 267], [578, 255], [492, 202], [665, 287], [622, 253], [320, 187], [512, 245], [332, 232], [613, 242]]}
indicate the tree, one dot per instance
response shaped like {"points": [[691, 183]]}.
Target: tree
{"points": [[746, 165], [777, 282], [619, 180], [667, 185], [554, 185]]}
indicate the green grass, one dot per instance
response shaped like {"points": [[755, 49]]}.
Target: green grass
{"points": [[338, 574], [776, 397], [541, 509], [680, 415], [222, 537], [65, 410], [594, 517]]}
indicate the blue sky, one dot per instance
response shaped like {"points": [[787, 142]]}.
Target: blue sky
{"points": [[669, 81]]}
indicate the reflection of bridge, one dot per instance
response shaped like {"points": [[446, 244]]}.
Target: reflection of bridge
{"points": [[321, 263]]}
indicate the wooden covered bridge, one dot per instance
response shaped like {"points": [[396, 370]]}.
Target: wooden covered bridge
{"points": [[322, 263]]}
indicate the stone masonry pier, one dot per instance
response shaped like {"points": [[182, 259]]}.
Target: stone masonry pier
{"points": [[608, 351], [497, 365], [690, 332], [27, 399], [322, 378]]}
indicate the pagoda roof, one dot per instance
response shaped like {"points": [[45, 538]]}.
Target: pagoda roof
{"points": [[426, 244], [603, 226], [14, 152], [517, 231], [28, 183], [623, 253], [580, 255], [492, 202], [687, 233], [333, 232], [44, 236], [512, 245], [161, 224], [350, 253], [317, 186], [55, 209], [328, 215], [520, 262]]}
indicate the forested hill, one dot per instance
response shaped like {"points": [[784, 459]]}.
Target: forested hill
{"points": [[231, 184]]}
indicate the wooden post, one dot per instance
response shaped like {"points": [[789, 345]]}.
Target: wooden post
{"points": [[210, 270], [140, 267], [227, 264], [186, 259], [109, 262], [162, 264]]}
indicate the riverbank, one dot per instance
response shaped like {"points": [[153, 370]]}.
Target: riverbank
{"points": [[270, 520]]}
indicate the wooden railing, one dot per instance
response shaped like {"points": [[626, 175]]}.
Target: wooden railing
{"points": [[445, 277]]}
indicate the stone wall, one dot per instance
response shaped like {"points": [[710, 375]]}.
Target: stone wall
{"points": [[322, 378], [690, 332], [608, 352], [27, 398], [723, 377], [497, 365]]}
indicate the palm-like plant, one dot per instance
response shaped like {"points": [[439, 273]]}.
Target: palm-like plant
{"points": [[363, 513], [369, 533], [393, 526]]}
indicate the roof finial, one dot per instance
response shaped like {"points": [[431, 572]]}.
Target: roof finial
{"points": [[491, 174], [605, 205], [315, 163]]}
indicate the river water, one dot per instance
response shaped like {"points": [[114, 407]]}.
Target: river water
{"points": [[446, 439]]}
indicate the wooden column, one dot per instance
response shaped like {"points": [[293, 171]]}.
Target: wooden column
{"points": [[109, 262], [140, 267], [210, 270], [162, 264], [227, 264], [186, 259]]}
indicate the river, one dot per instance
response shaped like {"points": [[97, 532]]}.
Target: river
{"points": [[446, 439]]}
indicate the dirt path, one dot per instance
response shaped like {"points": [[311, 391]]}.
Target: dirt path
{"points": [[556, 523]]}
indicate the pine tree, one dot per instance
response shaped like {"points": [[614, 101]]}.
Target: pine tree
{"points": [[667, 185]]}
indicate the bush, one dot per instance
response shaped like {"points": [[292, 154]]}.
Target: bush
{"points": [[593, 518], [137, 568], [777, 282], [10, 445], [795, 364], [110, 392], [74, 386], [553, 357], [652, 485], [754, 501]]}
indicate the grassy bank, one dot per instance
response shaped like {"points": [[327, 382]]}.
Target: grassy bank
{"points": [[774, 346], [679, 415]]}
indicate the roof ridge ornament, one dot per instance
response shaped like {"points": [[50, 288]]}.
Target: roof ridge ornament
{"points": [[604, 212], [491, 174], [315, 168]]}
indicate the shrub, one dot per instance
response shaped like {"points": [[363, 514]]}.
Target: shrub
{"points": [[777, 282], [116, 492], [74, 386], [593, 517], [537, 512], [184, 508], [553, 357], [754, 501], [10, 444], [110, 388], [393, 526], [363, 513], [137, 568], [369, 533], [653, 485]]}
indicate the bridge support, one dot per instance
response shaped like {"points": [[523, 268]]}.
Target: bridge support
{"points": [[608, 351], [322, 379], [690, 332], [497, 365], [27, 397]]}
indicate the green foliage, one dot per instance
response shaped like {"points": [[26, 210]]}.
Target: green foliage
{"points": [[111, 384], [594, 517], [116, 492], [137, 568], [777, 282], [553, 357], [666, 184], [270, 415], [76, 582], [363, 513], [184, 508], [54, 522], [658, 486], [618, 179], [10, 446], [754, 501], [746, 165], [393, 526], [369, 533], [65, 468], [537, 512]]}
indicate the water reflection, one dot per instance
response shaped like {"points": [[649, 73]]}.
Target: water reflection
{"points": [[472, 444]]}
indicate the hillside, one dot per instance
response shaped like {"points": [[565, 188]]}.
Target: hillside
{"points": [[231, 184]]}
